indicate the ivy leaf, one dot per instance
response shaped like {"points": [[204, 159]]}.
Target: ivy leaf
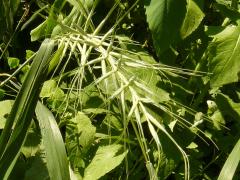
{"points": [[105, 160], [165, 19], [224, 57], [192, 20]]}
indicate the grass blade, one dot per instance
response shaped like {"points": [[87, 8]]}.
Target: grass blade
{"points": [[56, 156], [23, 110], [231, 164]]}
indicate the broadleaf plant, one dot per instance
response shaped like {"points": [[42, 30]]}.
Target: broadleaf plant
{"points": [[130, 89]]}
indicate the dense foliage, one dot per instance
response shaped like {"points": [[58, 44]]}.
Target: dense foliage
{"points": [[119, 89]]}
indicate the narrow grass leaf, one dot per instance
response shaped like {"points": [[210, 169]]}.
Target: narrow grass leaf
{"points": [[22, 111], [231, 164], [56, 156]]}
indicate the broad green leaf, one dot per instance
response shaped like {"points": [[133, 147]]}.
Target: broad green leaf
{"points": [[105, 160], [192, 19], [39, 31], [224, 57], [38, 169], [29, 54], [23, 109], [80, 134], [227, 106], [165, 18], [48, 88], [5, 109], [56, 157], [13, 62], [230, 166], [81, 126], [213, 30]]}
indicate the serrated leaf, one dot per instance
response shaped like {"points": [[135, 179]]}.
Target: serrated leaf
{"points": [[83, 128], [105, 160], [165, 18], [224, 57], [192, 19]]}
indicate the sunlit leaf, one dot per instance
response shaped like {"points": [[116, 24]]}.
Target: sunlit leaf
{"points": [[56, 157], [224, 57], [192, 20], [230, 166], [5, 109], [48, 88], [13, 62], [23, 109], [105, 160]]}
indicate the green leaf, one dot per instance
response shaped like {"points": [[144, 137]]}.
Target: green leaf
{"points": [[29, 54], [192, 19], [224, 57], [227, 11], [45, 28], [6, 20], [231, 164], [23, 109], [165, 18], [83, 129], [227, 106], [2, 92], [56, 156], [38, 169], [5, 109], [213, 30], [39, 31], [14, 5], [13, 62], [48, 88], [105, 160], [32, 143]]}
